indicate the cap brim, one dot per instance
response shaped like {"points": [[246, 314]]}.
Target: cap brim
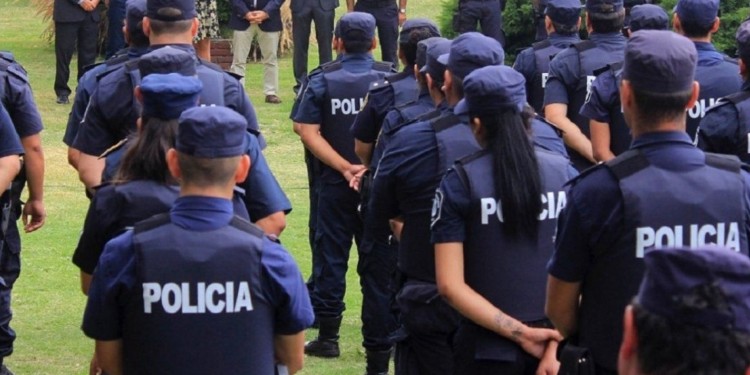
{"points": [[443, 59], [461, 108]]}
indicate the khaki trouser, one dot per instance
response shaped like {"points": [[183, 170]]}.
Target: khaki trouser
{"points": [[269, 45]]}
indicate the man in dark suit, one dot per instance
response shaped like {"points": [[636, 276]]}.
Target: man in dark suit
{"points": [[76, 28], [261, 18], [304, 12]]}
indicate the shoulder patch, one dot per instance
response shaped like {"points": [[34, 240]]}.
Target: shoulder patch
{"points": [[18, 72]]}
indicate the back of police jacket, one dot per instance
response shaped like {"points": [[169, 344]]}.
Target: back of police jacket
{"points": [[203, 308], [662, 208]]}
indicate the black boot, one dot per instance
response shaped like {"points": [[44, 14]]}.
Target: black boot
{"points": [[377, 362], [327, 343]]}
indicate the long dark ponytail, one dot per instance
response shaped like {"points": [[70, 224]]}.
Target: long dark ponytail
{"points": [[145, 158], [515, 171]]}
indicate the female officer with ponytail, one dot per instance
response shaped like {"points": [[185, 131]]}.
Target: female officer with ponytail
{"points": [[493, 224]]}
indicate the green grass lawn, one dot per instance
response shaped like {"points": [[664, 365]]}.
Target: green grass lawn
{"points": [[47, 301]]}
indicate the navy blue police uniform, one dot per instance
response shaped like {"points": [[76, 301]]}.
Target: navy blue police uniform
{"points": [[392, 91], [10, 263], [603, 104], [491, 257], [487, 13], [135, 10], [533, 62], [332, 99], [716, 73], [546, 135], [601, 244], [238, 289], [17, 98], [385, 13], [408, 173], [117, 207], [267, 195], [572, 70], [726, 126]]}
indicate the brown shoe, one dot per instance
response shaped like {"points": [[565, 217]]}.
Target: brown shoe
{"points": [[273, 99]]}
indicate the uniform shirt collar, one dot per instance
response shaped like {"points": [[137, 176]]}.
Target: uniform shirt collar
{"points": [[556, 38], [183, 47], [594, 37], [137, 51], [653, 138], [201, 213], [357, 57]]}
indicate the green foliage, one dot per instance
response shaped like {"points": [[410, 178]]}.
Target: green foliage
{"points": [[519, 26]]}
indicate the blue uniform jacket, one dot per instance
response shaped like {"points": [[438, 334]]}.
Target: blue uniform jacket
{"points": [[10, 144], [593, 216], [721, 131], [115, 276], [18, 98]]}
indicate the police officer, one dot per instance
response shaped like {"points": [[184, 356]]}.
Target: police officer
{"points": [[137, 41], [326, 111], [481, 244], [716, 73], [487, 13], [572, 70], [562, 20], [726, 126], [10, 166], [388, 16], [416, 158], [395, 90], [112, 110], [18, 99], [691, 314], [610, 135], [199, 279], [312, 164], [663, 192]]}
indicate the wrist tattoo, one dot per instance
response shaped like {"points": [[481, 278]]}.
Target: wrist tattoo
{"points": [[509, 324]]}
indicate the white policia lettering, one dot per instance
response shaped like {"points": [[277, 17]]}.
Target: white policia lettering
{"points": [[700, 107], [722, 234], [552, 203], [346, 106], [214, 298]]}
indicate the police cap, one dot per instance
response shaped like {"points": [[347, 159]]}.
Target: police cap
{"points": [[660, 61], [211, 132], [707, 287], [565, 12], [417, 23], [422, 47], [604, 6], [743, 41], [171, 10], [492, 89], [470, 51], [357, 27], [167, 60], [648, 16], [435, 68], [698, 12], [165, 96], [135, 10]]}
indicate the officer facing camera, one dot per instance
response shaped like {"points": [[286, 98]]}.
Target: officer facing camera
{"points": [[199, 279]]}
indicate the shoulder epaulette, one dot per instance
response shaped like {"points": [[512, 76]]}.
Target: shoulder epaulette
{"points": [[332, 67], [729, 163], [731, 60], [584, 45], [114, 148], [541, 45], [383, 66], [444, 122]]}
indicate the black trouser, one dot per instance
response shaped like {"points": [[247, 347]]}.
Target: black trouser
{"points": [[10, 268], [386, 19], [312, 12], [376, 268], [430, 324], [464, 346], [69, 37], [487, 13]]}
